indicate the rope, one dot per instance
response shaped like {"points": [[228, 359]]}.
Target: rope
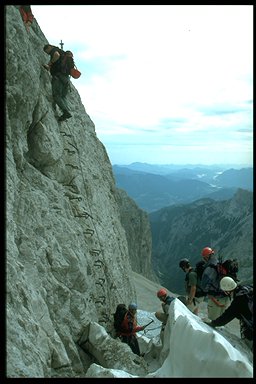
{"points": [[152, 329], [216, 302]]}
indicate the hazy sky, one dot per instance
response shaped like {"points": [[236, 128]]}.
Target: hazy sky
{"points": [[163, 84]]}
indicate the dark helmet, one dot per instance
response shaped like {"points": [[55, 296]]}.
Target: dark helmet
{"points": [[184, 263]]}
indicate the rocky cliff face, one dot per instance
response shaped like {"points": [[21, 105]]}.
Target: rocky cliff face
{"points": [[67, 252], [138, 233]]}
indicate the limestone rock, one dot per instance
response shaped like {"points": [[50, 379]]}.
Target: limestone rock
{"points": [[67, 253]]}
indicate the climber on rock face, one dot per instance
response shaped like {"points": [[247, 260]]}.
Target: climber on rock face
{"points": [[27, 15], [163, 316], [60, 80], [129, 328]]}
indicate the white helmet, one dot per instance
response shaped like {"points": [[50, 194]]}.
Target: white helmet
{"points": [[227, 284]]}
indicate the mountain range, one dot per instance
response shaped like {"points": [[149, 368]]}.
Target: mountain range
{"points": [[177, 185], [182, 231]]}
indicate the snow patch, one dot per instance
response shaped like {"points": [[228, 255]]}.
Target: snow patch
{"points": [[191, 348]]}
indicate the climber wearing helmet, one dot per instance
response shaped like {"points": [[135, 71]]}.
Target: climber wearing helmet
{"points": [[163, 315], [166, 301], [129, 328], [206, 252], [191, 282], [60, 81], [217, 300], [239, 308], [27, 15]]}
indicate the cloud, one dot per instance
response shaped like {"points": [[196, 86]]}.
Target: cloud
{"points": [[161, 73]]}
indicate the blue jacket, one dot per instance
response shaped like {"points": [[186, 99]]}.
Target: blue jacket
{"points": [[210, 278]]}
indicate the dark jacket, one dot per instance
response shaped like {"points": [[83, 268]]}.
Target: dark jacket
{"points": [[56, 67], [238, 309], [166, 304]]}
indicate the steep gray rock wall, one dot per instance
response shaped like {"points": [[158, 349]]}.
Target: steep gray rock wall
{"points": [[67, 255], [138, 233]]}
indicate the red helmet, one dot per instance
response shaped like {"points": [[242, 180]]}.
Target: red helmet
{"points": [[207, 251], [161, 292]]}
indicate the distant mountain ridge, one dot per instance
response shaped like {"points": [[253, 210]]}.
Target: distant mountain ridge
{"points": [[183, 230], [153, 191], [163, 169]]}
